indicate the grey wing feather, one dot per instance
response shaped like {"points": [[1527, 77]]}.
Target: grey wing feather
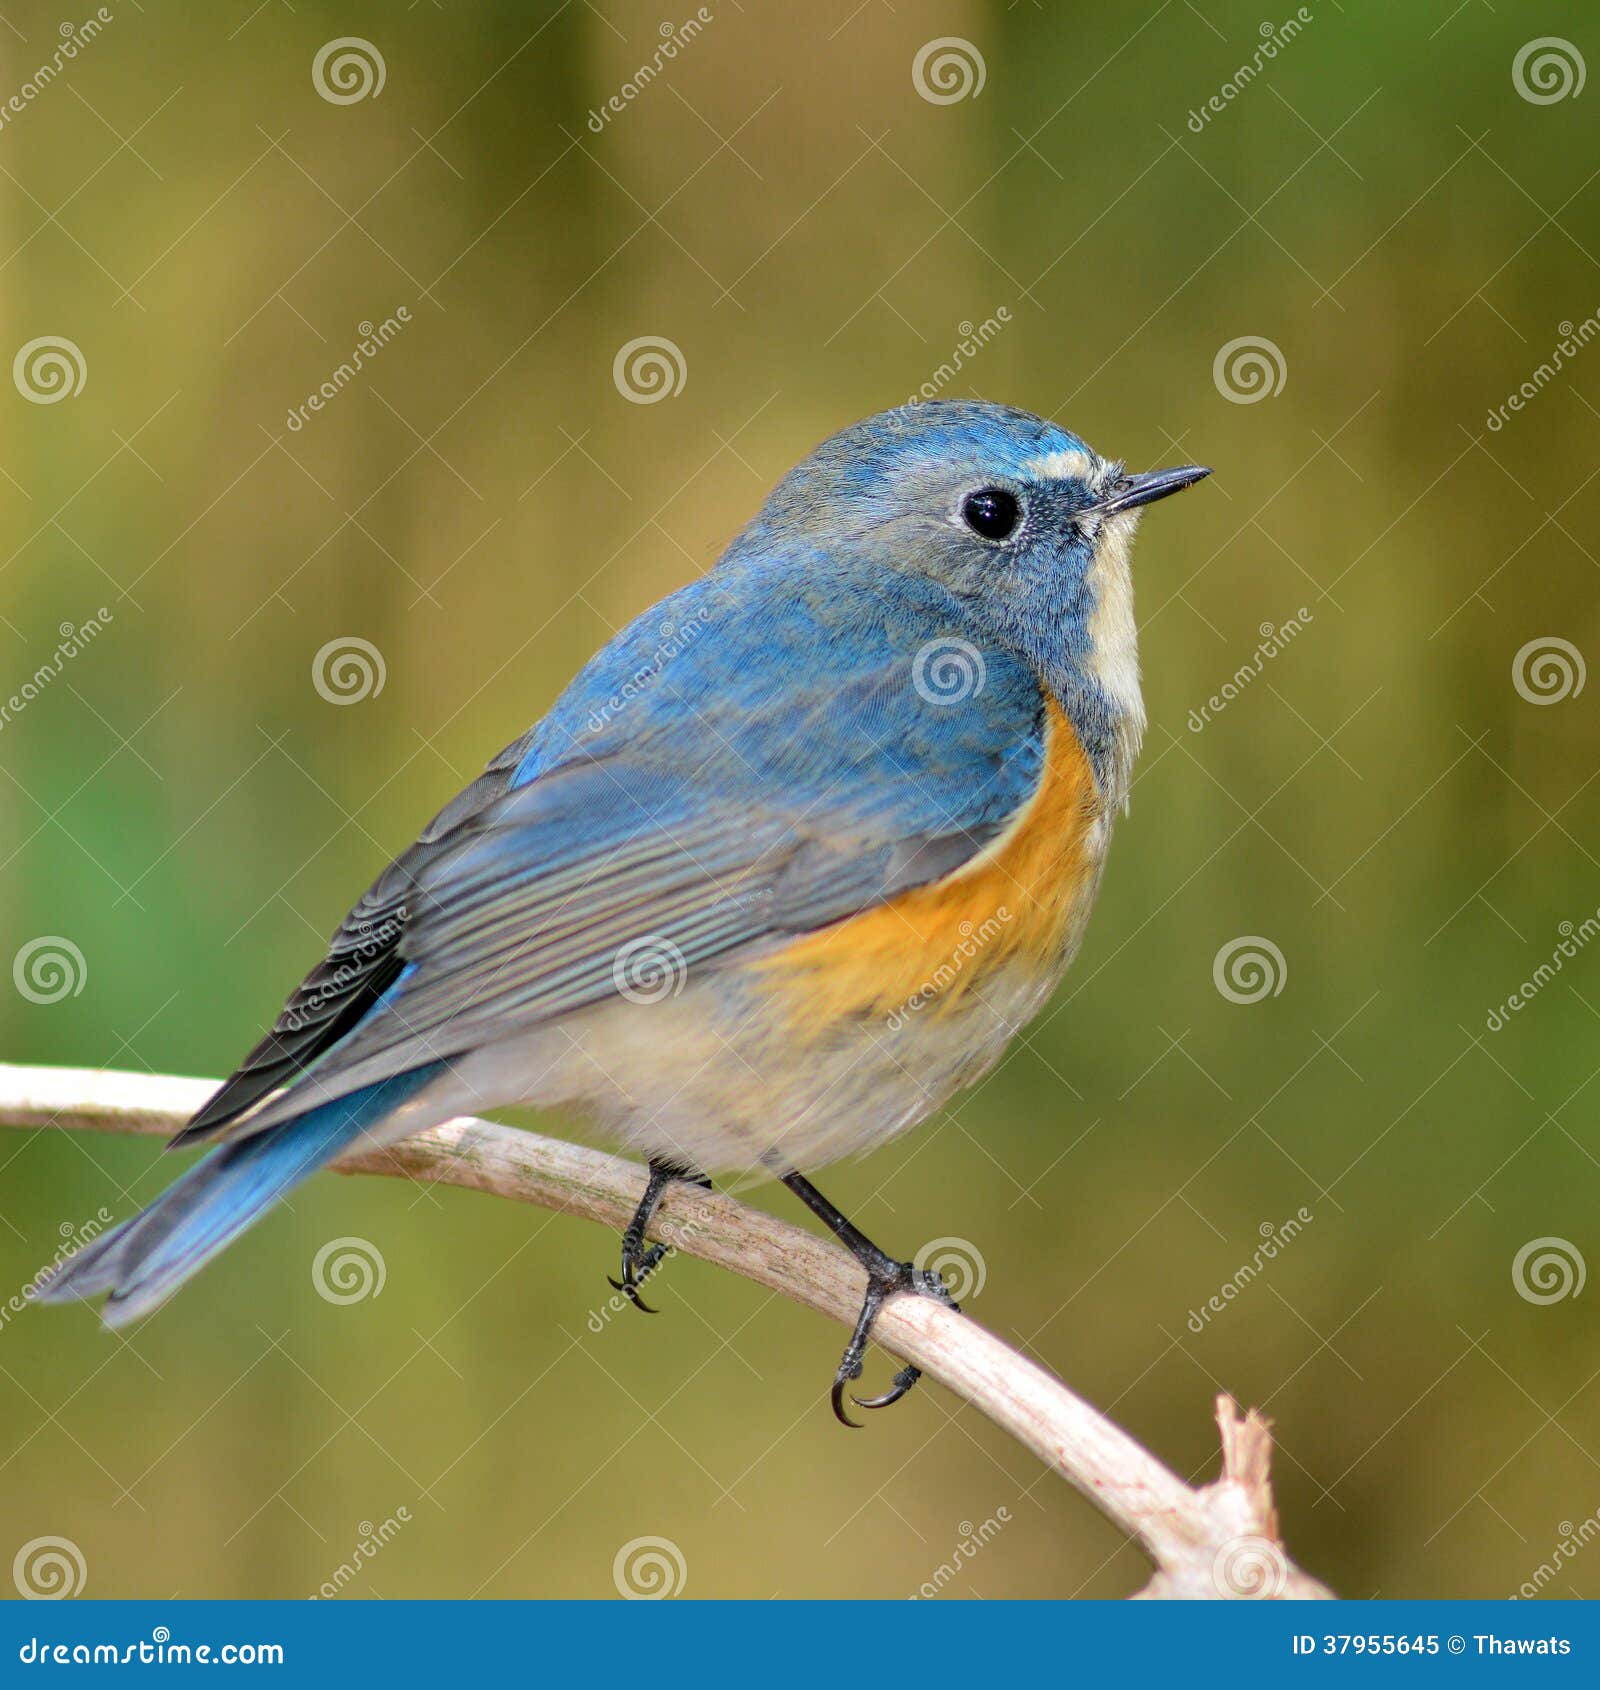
{"points": [[532, 914], [363, 961]]}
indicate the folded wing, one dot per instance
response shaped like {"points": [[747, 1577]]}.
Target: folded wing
{"points": [[717, 821]]}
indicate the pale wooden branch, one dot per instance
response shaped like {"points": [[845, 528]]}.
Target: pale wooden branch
{"points": [[1218, 1541]]}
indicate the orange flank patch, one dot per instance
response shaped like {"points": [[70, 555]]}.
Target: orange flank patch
{"points": [[1015, 902]]}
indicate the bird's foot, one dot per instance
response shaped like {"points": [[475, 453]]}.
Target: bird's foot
{"points": [[884, 1280], [638, 1263]]}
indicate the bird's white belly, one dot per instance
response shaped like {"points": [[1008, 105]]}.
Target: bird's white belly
{"points": [[708, 1080]]}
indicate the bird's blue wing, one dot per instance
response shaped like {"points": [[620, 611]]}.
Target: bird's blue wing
{"points": [[363, 961], [803, 756]]}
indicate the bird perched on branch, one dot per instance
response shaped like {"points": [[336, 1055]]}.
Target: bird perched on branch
{"points": [[786, 865]]}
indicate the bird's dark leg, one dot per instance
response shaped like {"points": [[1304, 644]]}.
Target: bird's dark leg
{"points": [[885, 1276], [639, 1263]]}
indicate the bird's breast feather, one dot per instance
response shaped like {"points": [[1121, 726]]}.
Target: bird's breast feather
{"points": [[1021, 901]]}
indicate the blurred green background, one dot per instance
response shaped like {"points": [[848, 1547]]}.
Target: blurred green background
{"points": [[483, 505]]}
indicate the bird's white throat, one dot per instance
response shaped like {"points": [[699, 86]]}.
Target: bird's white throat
{"points": [[1114, 643]]}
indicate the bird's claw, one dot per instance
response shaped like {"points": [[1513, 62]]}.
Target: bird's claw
{"points": [[638, 1263], [637, 1266], [880, 1288], [836, 1395], [903, 1381]]}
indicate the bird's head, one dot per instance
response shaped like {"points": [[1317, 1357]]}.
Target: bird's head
{"points": [[1021, 521]]}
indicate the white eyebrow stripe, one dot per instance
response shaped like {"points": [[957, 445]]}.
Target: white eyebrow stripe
{"points": [[1064, 466]]}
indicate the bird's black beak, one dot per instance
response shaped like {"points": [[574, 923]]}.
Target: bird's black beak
{"points": [[1135, 490]]}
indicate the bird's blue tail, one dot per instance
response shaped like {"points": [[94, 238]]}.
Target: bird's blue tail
{"points": [[143, 1261]]}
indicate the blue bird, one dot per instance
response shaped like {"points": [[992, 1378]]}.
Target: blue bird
{"points": [[786, 865]]}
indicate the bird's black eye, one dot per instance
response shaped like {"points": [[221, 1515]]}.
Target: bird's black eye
{"points": [[993, 512]]}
